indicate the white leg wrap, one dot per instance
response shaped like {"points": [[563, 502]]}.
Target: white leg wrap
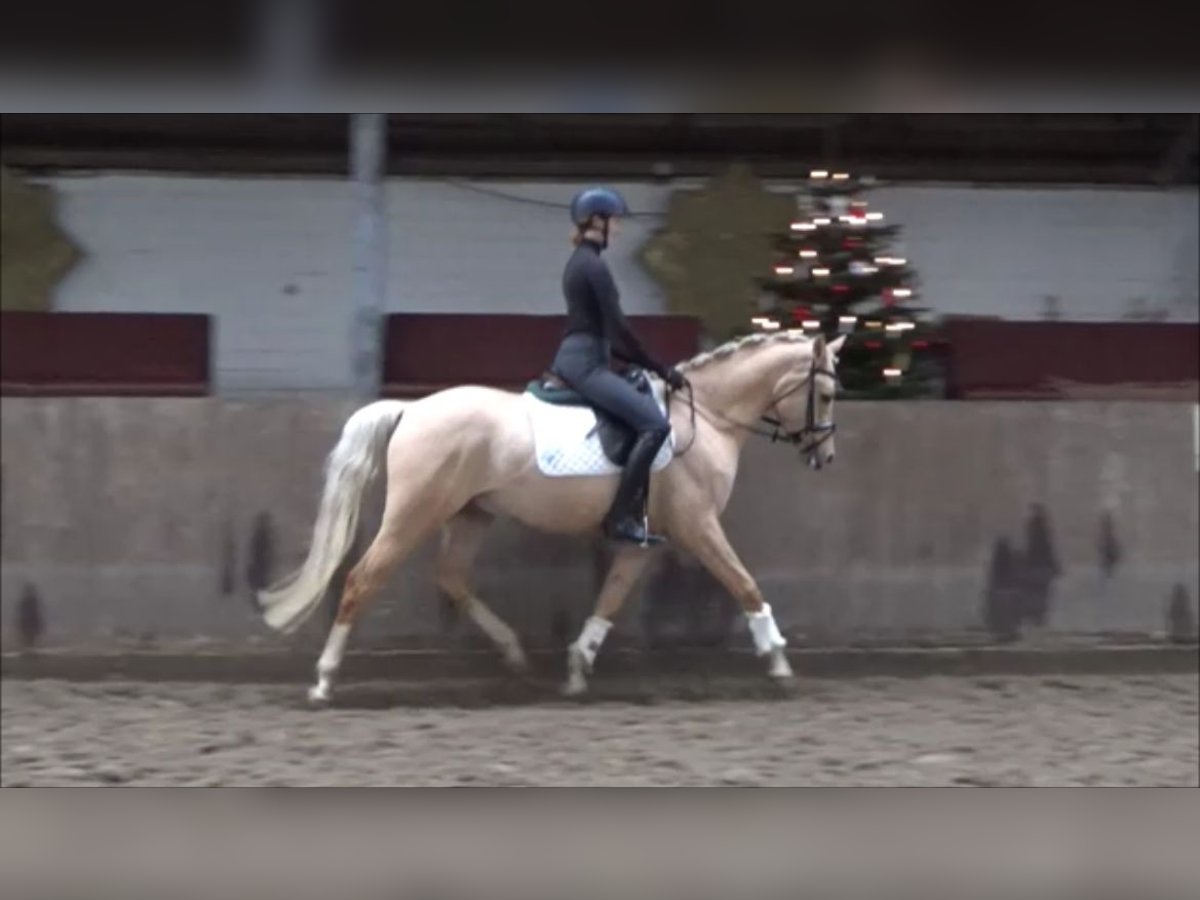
{"points": [[765, 631], [594, 631]]}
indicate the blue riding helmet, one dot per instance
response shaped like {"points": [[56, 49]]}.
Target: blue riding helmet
{"points": [[597, 201]]}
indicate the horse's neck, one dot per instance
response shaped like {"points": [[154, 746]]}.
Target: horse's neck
{"points": [[741, 388]]}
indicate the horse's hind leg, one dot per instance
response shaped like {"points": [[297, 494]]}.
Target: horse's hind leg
{"points": [[406, 522], [462, 537]]}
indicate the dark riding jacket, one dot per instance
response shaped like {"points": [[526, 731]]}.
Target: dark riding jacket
{"points": [[594, 307]]}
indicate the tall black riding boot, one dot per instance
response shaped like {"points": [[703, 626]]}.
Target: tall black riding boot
{"points": [[625, 520]]}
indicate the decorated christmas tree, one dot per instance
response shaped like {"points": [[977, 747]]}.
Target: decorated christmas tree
{"points": [[835, 272]]}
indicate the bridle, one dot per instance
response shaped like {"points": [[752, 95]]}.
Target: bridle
{"points": [[811, 435]]}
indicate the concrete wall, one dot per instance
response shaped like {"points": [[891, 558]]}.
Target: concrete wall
{"points": [[271, 258], [152, 520]]}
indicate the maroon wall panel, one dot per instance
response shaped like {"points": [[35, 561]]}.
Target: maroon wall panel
{"points": [[1058, 360], [104, 354], [432, 351]]}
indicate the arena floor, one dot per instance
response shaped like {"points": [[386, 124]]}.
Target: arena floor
{"points": [[1015, 730]]}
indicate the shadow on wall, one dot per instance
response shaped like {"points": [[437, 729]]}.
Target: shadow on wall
{"points": [[1110, 546], [30, 621], [260, 556], [1181, 623], [1021, 581]]}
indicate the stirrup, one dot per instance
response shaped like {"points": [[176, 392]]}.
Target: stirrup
{"points": [[614, 531]]}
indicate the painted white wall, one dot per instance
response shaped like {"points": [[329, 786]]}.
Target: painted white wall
{"points": [[465, 247], [271, 258], [1000, 251]]}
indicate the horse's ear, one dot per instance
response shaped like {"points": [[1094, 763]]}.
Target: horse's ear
{"points": [[818, 347], [835, 346]]}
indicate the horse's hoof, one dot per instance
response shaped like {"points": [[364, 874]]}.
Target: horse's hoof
{"points": [[781, 669], [517, 662], [782, 683], [574, 687], [318, 696]]}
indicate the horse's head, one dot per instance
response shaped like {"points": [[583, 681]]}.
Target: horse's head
{"points": [[806, 397]]}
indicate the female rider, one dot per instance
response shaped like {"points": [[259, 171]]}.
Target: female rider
{"points": [[596, 331]]}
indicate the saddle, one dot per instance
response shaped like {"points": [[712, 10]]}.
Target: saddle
{"points": [[616, 438]]}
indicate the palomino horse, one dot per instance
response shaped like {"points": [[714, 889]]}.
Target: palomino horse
{"points": [[460, 457]]}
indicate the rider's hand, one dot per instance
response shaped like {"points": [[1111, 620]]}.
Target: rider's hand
{"points": [[674, 378]]}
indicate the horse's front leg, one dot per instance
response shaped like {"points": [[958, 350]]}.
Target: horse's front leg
{"points": [[623, 573], [708, 542]]}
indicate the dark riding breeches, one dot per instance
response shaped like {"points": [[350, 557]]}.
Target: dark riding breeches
{"points": [[582, 362]]}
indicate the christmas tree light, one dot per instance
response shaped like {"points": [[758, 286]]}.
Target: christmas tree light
{"points": [[851, 283]]}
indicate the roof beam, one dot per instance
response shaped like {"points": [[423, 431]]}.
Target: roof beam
{"points": [[1180, 154]]}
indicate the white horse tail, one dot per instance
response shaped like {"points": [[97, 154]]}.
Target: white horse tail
{"points": [[349, 470]]}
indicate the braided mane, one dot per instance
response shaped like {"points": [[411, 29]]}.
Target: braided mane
{"points": [[728, 349]]}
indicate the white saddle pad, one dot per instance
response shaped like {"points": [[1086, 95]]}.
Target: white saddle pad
{"points": [[567, 443]]}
